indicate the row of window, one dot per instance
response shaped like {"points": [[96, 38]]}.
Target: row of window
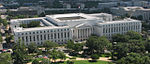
{"points": [[118, 29], [122, 24], [46, 31], [46, 37]]}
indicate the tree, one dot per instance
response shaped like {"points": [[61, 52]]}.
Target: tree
{"points": [[5, 58], [136, 46], [94, 57], [54, 55], [120, 38], [134, 35], [62, 56], [49, 45], [45, 61], [32, 48], [97, 44], [70, 44], [35, 61], [147, 46], [24, 25], [19, 53], [31, 24], [140, 17], [134, 58], [34, 24], [75, 47], [70, 62], [1, 39], [5, 23], [9, 38], [121, 49]]}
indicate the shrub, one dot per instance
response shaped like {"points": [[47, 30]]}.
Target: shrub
{"points": [[94, 57]]}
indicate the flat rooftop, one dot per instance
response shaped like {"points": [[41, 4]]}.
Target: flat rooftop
{"points": [[70, 17]]}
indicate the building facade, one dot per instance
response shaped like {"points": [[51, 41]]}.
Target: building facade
{"points": [[132, 11], [76, 26]]}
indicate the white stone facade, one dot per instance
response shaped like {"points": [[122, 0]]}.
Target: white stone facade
{"points": [[76, 26]]}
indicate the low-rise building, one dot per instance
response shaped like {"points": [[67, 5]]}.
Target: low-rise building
{"points": [[75, 26], [132, 11]]}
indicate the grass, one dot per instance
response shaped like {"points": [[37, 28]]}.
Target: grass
{"points": [[86, 62]]}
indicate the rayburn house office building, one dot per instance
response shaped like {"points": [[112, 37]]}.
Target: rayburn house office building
{"points": [[60, 28]]}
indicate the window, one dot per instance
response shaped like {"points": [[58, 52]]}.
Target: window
{"points": [[51, 36], [30, 38], [65, 34], [61, 35], [68, 34], [55, 35], [41, 37], [45, 37], [37, 37], [58, 35], [22, 38], [34, 38], [48, 37], [26, 38]]}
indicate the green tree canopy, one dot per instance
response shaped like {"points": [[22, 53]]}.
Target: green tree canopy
{"points": [[134, 58], [134, 35], [121, 49], [31, 24], [120, 38], [97, 44], [36, 61], [94, 56], [32, 48], [49, 45], [19, 53], [76, 47], [1, 39], [5, 58]]}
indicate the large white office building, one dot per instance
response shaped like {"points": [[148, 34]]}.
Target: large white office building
{"points": [[75, 26]]}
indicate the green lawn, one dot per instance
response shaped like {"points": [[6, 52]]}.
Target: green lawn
{"points": [[86, 62]]}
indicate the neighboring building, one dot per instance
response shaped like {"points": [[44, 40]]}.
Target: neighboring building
{"points": [[68, 6], [132, 11], [124, 10], [140, 3], [107, 5], [103, 16], [33, 10], [76, 26]]}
